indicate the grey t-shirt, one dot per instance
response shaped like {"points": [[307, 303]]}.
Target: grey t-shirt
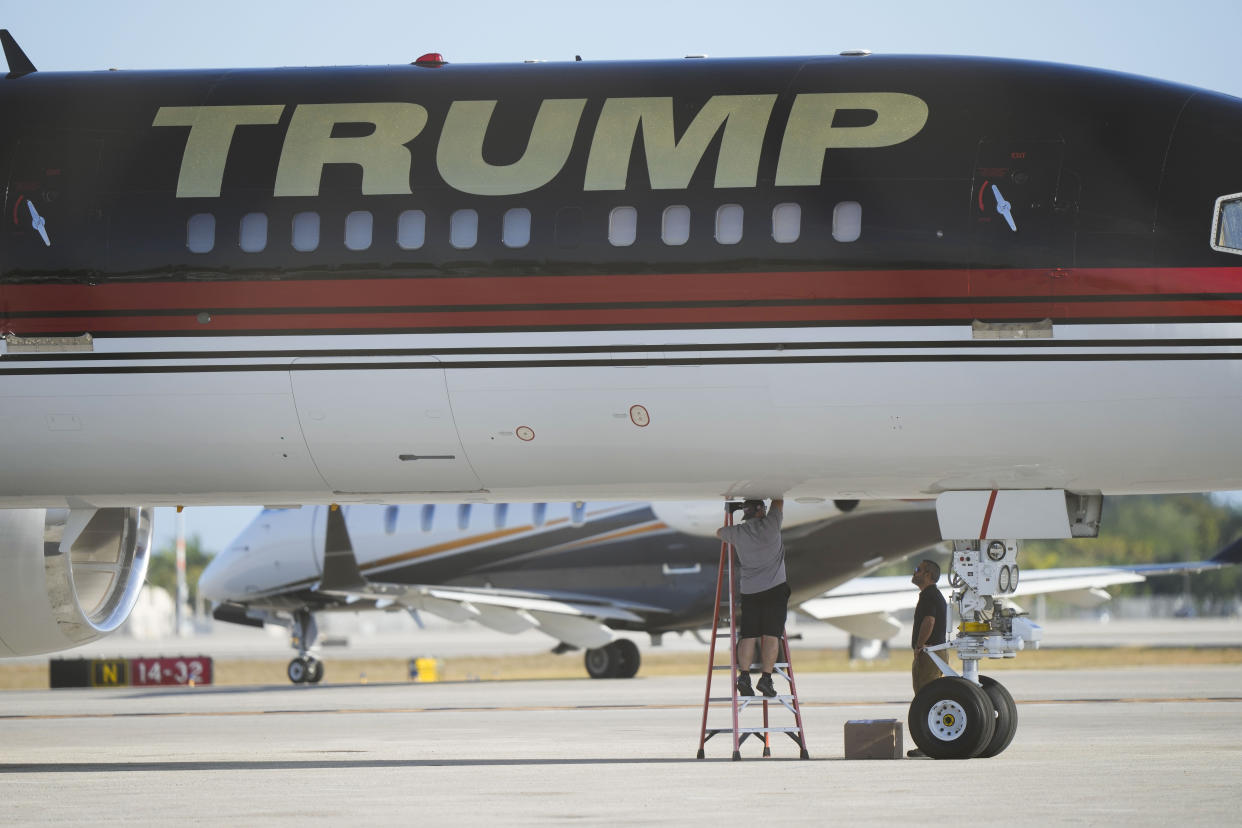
{"points": [[759, 550]]}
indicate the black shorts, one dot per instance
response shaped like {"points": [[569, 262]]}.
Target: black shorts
{"points": [[763, 613]]}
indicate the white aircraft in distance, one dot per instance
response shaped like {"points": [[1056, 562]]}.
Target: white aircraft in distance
{"points": [[575, 572], [579, 573], [848, 277]]}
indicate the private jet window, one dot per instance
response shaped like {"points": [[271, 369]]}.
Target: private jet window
{"points": [[411, 229], [464, 229], [622, 226], [200, 233], [358, 230], [427, 518], [539, 513], [390, 520], [786, 223], [847, 221], [675, 225], [1228, 235], [729, 224], [463, 516], [253, 232], [305, 232], [515, 230], [501, 515]]}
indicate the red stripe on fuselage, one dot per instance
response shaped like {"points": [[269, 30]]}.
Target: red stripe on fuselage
{"points": [[692, 299]]}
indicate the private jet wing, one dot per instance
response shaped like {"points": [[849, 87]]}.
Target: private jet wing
{"points": [[577, 620], [863, 607]]}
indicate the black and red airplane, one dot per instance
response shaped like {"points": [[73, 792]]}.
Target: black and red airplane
{"points": [[1014, 287]]}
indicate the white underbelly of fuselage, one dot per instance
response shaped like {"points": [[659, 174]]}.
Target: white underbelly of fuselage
{"points": [[836, 414]]}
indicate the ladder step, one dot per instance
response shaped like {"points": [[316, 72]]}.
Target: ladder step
{"points": [[714, 730], [751, 699], [729, 667]]}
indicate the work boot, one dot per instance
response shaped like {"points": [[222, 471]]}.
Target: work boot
{"points": [[743, 684], [765, 685]]}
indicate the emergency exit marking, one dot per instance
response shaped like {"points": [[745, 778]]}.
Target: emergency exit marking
{"points": [[525, 433], [639, 416]]}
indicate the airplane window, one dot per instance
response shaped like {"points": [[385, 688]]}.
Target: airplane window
{"points": [[1227, 235], [501, 515], [675, 228], [464, 229], [358, 230], [786, 222], [390, 520], [411, 229], [539, 513], [622, 226], [847, 221], [253, 232], [305, 231], [427, 517], [729, 224], [200, 233], [515, 231], [463, 516]]}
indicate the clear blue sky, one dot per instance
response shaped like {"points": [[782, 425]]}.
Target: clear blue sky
{"points": [[1189, 41]]}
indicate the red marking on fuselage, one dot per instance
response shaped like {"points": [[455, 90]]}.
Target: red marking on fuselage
{"points": [[987, 516], [623, 300]]}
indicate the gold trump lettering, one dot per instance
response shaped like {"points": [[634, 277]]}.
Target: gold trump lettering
{"points": [[809, 132], [383, 156], [211, 135], [671, 163], [459, 155], [386, 162]]}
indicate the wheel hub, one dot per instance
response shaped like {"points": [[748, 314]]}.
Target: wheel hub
{"points": [[946, 720]]}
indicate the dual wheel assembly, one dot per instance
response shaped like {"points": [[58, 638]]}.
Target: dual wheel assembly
{"points": [[954, 718], [305, 670], [618, 659]]}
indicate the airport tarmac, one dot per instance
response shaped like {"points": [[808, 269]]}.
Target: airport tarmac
{"points": [[1137, 746], [395, 635]]}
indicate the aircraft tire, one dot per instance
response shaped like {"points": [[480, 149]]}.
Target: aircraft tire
{"points": [[315, 674], [952, 718], [1006, 717], [630, 657], [297, 670], [602, 662]]}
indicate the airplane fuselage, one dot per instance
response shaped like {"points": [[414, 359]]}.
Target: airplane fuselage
{"points": [[852, 277]]}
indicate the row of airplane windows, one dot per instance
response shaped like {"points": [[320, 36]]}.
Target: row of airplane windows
{"points": [[500, 515], [515, 228]]}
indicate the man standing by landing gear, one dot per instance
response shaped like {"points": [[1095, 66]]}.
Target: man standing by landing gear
{"points": [[764, 592], [930, 623]]}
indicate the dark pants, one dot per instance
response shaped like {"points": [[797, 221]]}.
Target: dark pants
{"points": [[924, 671]]}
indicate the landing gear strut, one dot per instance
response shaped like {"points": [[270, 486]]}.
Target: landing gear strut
{"points": [[305, 668], [968, 715]]}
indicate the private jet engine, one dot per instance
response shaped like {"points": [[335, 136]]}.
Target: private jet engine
{"points": [[68, 576]]}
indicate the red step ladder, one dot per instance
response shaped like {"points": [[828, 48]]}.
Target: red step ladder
{"points": [[739, 704]]}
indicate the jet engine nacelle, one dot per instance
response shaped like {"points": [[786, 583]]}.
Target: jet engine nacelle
{"points": [[68, 576]]}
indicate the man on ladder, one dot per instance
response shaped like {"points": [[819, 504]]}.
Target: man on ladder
{"points": [[763, 588]]}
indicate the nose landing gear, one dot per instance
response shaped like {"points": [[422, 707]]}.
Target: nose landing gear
{"points": [[968, 715], [305, 668]]}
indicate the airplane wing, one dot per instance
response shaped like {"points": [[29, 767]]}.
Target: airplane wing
{"points": [[575, 620], [863, 607]]}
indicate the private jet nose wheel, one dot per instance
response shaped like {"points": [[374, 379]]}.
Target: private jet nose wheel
{"points": [[952, 718], [619, 659], [305, 670]]}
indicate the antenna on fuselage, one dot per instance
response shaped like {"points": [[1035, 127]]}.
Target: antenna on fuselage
{"points": [[19, 64]]}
